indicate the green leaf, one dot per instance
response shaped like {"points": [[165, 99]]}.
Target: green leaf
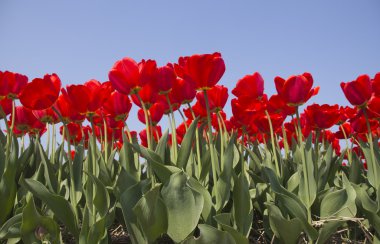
{"points": [[223, 185], [152, 214], [128, 200], [339, 203], [208, 205], [292, 203], [8, 190], [224, 220], [33, 223], [98, 232], [209, 234], [2, 160], [243, 210], [127, 158], [373, 167], [11, 228], [162, 145], [186, 145], [60, 206], [78, 171], [101, 198], [50, 177], [288, 231], [184, 206]]}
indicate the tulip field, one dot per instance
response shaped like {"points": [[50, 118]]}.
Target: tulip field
{"points": [[279, 170]]}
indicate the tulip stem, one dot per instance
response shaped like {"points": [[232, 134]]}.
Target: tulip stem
{"points": [[196, 142], [349, 154], [53, 144], [370, 141], [105, 140], [285, 140], [172, 123], [210, 139], [304, 167], [273, 144]]}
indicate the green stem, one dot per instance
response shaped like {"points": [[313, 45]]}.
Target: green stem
{"points": [[196, 142], [370, 141], [105, 140], [146, 121], [285, 140], [273, 144], [210, 139], [349, 154], [173, 128]]}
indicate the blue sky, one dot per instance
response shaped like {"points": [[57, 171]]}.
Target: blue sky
{"points": [[80, 40]]}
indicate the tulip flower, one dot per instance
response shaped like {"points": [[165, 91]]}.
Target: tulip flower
{"points": [[322, 116], [117, 105], [25, 121], [217, 97], [359, 91], [41, 93], [297, 89], [376, 84], [124, 76], [11, 84], [204, 70], [249, 88], [165, 78]]}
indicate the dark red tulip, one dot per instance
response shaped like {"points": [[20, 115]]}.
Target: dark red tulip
{"points": [[297, 89], [148, 94], [217, 98], [344, 131], [277, 105], [204, 70], [374, 107], [359, 91], [41, 93], [117, 106], [249, 88], [322, 116], [125, 76], [155, 131], [46, 116], [148, 73], [75, 132], [11, 84]]}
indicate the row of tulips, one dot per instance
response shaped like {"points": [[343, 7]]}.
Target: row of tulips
{"points": [[269, 160]]}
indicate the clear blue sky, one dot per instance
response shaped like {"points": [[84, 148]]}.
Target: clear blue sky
{"points": [[79, 40]]}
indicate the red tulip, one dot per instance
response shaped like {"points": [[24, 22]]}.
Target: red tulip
{"points": [[277, 105], [165, 78], [182, 92], [374, 107], [359, 91], [148, 94], [155, 131], [204, 70], [322, 116], [41, 93], [11, 84], [46, 116], [249, 88], [376, 84], [5, 106], [67, 110], [217, 97], [25, 121], [148, 73], [296, 90], [75, 132], [156, 111], [344, 131], [124, 76], [117, 106]]}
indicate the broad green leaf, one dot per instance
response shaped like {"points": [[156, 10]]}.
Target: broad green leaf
{"points": [[223, 185], [60, 207], [78, 171], [33, 222], [186, 145], [208, 205], [101, 198], [209, 234], [292, 203], [224, 220], [11, 228], [373, 173], [98, 232], [152, 214], [242, 210], [184, 206], [128, 200], [2, 160], [123, 182], [127, 158], [339, 203], [8, 191], [206, 165], [327, 230], [288, 231]]}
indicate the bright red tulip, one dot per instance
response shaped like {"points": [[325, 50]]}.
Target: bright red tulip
{"points": [[156, 111], [155, 131], [166, 78], [6, 107], [46, 116], [148, 94], [217, 97], [373, 107], [182, 92], [41, 93], [25, 121], [204, 70], [125, 76], [376, 84], [75, 132], [322, 116], [277, 105], [297, 89], [11, 84], [117, 106], [67, 110], [359, 91], [249, 88], [148, 73]]}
